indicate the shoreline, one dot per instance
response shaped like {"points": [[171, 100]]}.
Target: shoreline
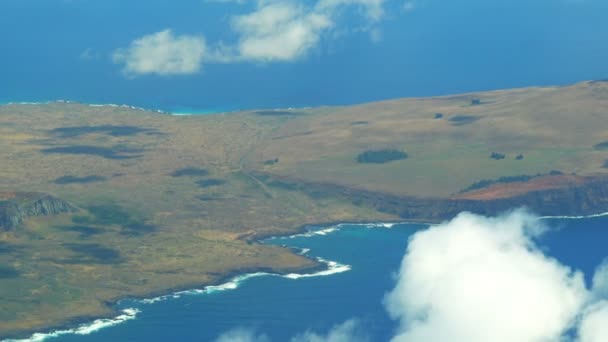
{"points": [[230, 281], [177, 112]]}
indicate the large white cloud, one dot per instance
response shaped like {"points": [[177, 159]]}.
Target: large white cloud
{"points": [[479, 279], [483, 279], [242, 335], [162, 53]]}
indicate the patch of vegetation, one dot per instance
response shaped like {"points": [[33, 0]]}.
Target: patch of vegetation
{"points": [[461, 120], [381, 156], [519, 157], [116, 152], [8, 272], [92, 253], [208, 198], [106, 214], [112, 130], [507, 179], [601, 146], [6, 247], [277, 113], [85, 231], [359, 123], [206, 183], [283, 185], [438, 116], [82, 180], [271, 162], [497, 156], [475, 102], [138, 229], [190, 172], [110, 214]]}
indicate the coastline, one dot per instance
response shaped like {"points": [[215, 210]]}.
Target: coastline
{"points": [[85, 325], [230, 281], [172, 112]]}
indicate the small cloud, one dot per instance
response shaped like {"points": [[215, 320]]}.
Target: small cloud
{"points": [[162, 53], [375, 35], [88, 54], [349, 331], [242, 335], [372, 9], [409, 6], [279, 31]]}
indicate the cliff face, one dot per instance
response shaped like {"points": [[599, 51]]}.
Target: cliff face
{"points": [[570, 199], [18, 206]]}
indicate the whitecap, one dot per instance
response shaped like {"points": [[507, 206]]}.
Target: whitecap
{"points": [[84, 329], [575, 217]]}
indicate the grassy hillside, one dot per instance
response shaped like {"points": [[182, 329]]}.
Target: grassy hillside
{"points": [[168, 202]]}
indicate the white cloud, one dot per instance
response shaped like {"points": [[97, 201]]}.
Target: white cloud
{"points": [[594, 324], [479, 279], [162, 53], [279, 31], [372, 9], [409, 6], [483, 279], [275, 31], [285, 30], [348, 331], [88, 54], [241, 335]]}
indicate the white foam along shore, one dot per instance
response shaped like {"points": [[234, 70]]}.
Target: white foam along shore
{"points": [[90, 105], [575, 217], [333, 267], [194, 112], [85, 329], [189, 113]]}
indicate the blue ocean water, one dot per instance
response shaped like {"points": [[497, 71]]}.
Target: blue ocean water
{"points": [[282, 308], [60, 49]]}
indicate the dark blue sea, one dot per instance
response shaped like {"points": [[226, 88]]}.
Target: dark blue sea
{"points": [[281, 307]]}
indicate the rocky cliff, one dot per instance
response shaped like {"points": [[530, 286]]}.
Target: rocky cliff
{"points": [[15, 207], [585, 197]]}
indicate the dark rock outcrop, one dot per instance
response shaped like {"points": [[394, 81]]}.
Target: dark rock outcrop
{"points": [[16, 207]]}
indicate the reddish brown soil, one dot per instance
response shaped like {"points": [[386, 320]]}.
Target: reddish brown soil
{"points": [[506, 190]]}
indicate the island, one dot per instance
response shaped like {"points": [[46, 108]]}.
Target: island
{"points": [[100, 203]]}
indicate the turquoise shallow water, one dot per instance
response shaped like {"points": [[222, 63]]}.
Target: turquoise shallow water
{"points": [[282, 307]]}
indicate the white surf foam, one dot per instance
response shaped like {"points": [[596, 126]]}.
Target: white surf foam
{"points": [[575, 217], [84, 329], [336, 228], [332, 267]]}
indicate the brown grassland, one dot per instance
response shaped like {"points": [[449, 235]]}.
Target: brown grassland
{"points": [[174, 202]]}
